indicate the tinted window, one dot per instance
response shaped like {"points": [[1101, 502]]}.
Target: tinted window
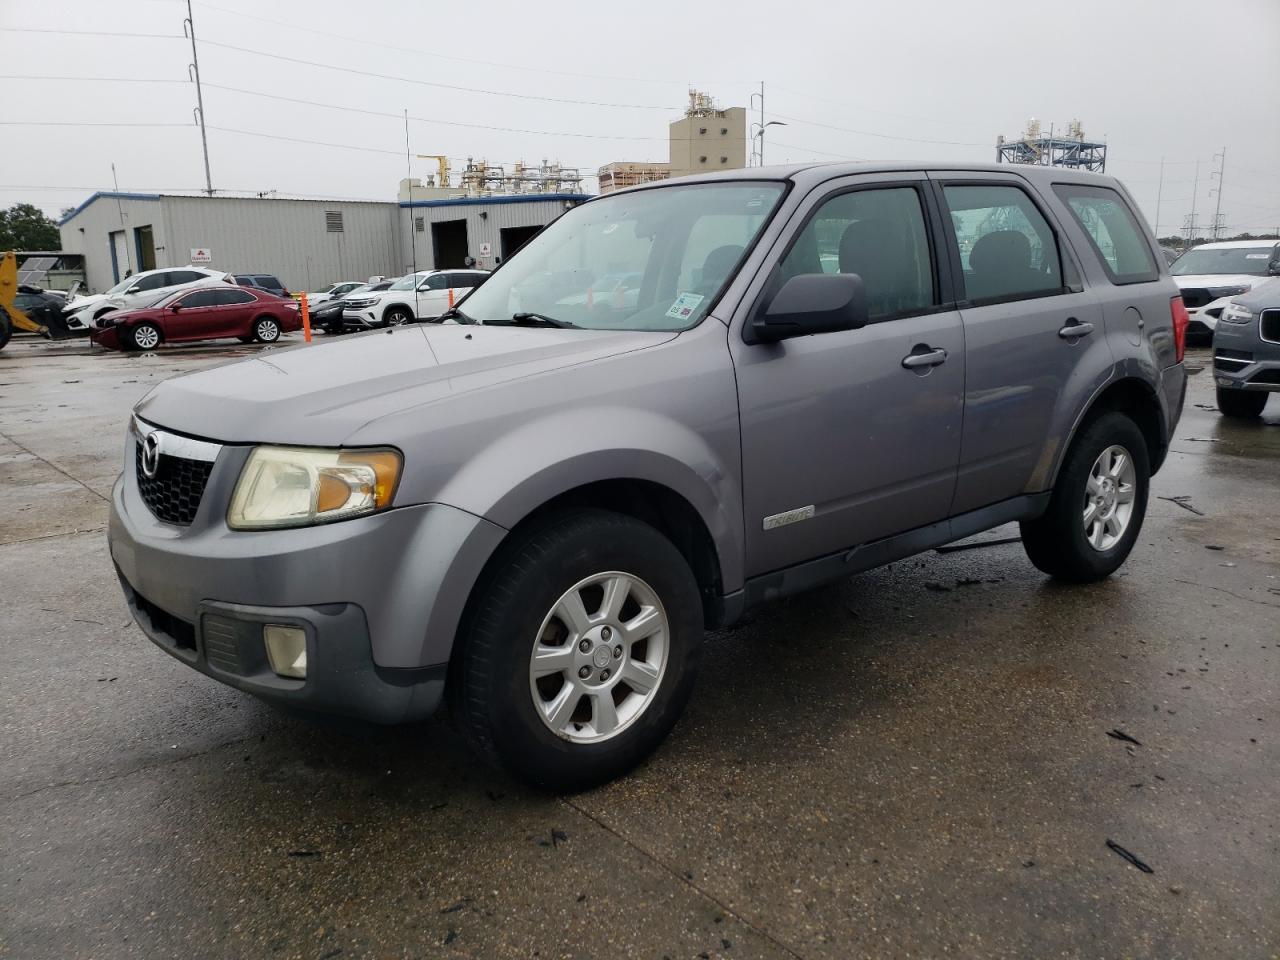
{"points": [[1007, 250], [879, 235], [437, 281], [1113, 232], [229, 296], [201, 298], [155, 281], [271, 283], [183, 276]]}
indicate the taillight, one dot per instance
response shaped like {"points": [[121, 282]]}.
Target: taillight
{"points": [[1180, 320]]}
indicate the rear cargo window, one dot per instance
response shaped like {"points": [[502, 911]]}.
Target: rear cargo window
{"points": [[1113, 232]]}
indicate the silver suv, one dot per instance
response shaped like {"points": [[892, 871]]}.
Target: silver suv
{"points": [[535, 507]]}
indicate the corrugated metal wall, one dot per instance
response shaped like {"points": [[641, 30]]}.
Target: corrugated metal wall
{"points": [[89, 233], [287, 238], [498, 213]]}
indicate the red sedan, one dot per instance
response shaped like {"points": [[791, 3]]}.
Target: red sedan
{"points": [[200, 313]]}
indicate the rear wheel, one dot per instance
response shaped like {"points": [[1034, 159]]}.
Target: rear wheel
{"points": [[1097, 506], [145, 336], [6, 327], [266, 330], [397, 316], [580, 651], [1245, 404]]}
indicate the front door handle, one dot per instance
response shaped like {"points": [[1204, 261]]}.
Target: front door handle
{"points": [[930, 358], [1074, 329]]}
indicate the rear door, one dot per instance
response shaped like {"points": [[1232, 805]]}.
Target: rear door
{"points": [[231, 311], [853, 436], [1030, 327]]}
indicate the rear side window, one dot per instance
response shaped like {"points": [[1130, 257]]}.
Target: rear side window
{"points": [[229, 297], [1113, 232], [1007, 249], [877, 233], [271, 283], [175, 277]]}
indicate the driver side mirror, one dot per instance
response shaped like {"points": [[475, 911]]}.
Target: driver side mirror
{"points": [[175, 307], [1273, 268], [136, 288], [812, 303]]}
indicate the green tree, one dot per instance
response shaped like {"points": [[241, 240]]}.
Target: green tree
{"points": [[25, 227]]}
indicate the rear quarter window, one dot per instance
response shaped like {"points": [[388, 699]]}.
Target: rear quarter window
{"points": [[1113, 231]]}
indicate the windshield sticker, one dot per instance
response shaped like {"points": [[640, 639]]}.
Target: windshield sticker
{"points": [[684, 306], [1257, 256]]}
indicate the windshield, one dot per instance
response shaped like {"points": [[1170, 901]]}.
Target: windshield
{"points": [[406, 283], [649, 260], [1249, 260], [123, 285], [355, 291]]}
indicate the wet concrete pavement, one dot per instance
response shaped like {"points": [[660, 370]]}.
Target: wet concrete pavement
{"points": [[915, 762]]}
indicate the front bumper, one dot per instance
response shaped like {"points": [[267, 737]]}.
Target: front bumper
{"points": [[379, 597], [361, 319], [1242, 360]]}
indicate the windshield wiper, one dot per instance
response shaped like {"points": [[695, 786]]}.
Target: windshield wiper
{"points": [[453, 313], [528, 319]]}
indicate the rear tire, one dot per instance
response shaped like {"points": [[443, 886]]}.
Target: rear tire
{"points": [[544, 722], [6, 328], [266, 330], [1241, 404], [1095, 513], [145, 336]]}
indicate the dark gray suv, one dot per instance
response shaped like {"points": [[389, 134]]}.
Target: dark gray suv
{"points": [[535, 507]]}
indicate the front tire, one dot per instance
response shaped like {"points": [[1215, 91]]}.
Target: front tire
{"points": [[1097, 506], [397, 316], [145, 336], [266, 330], [1241, 404], [580, 649]]}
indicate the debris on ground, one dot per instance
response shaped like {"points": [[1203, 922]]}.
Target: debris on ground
{"points": [[1185, 503], [1118, 734], [1213, 546], [937, 587], [974, 544], [1121, 851]]}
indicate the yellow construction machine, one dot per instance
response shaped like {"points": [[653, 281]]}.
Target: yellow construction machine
{"points": [[11, 317]]}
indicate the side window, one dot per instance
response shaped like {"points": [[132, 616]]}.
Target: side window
{"points": [[231, 297], [1007, 250], [201, 298], [1113, 232], [437, 281], [877, 233], [270, 283], [182, 276], [155, 281]]}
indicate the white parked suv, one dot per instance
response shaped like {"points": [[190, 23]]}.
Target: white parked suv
{"points": [[424, 295], [139, 290], [1211, 274]]}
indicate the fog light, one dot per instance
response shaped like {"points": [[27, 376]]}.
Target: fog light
{"points": [[286, 649]]}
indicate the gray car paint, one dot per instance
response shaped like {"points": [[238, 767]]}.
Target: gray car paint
{"points": [[1247, 337], [494, 422]]}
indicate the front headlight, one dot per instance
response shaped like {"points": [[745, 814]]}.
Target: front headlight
{"points": [[297, 486], [1234, 313]]}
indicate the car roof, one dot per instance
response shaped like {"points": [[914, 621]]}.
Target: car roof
{"points": [[1235, 244], [811, 173]]}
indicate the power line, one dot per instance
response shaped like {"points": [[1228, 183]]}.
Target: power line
{"points": [[821, 153], [345, 38], [95, 33], [431, 83], [313, 143], [881, 136], [84, 123]]}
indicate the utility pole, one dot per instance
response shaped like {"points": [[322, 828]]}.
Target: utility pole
{"points": [[408, 172], [128, 260], [189, 28], [1217, 210], [1191, 220], [1159, 195]]}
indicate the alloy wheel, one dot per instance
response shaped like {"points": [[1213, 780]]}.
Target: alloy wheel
{"points": [[1109, 497], [599, 657], [268, 331], [146, 337]]}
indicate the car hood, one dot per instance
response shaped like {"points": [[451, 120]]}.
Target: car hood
{"points": [[1264, 296], [323, 393], [1217, 280]]}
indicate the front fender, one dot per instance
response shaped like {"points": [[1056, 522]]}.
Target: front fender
{"points": [[539, 460]]}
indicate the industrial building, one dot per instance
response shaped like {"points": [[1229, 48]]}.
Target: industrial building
{"points": [[1061, 150], [306, 243], [706, 138]]}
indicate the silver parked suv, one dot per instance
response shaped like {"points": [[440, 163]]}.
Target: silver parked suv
{"points": [[535, 507]]}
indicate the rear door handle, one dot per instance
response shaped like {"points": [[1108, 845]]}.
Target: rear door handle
{"points": [[932, 358], [1074, 329]]}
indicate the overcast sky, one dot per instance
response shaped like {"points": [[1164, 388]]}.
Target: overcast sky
{"points": [[1178, 79]]}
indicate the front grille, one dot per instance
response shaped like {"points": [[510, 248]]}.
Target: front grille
{"points": [[182, 634], [1269, 326], [222, 644], [1195, 297], [174, 493]]}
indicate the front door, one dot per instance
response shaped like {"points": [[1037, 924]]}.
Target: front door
{"points": [[853, 436], [433, 296], [195, 319], [1029, 326]]}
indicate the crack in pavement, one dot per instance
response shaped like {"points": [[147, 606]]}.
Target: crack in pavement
{"points": [[48, 463], [681, 878], [1210, 586], [53, 536]]}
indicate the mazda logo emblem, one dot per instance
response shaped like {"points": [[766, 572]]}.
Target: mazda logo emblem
{"points": [[151, 454]]}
